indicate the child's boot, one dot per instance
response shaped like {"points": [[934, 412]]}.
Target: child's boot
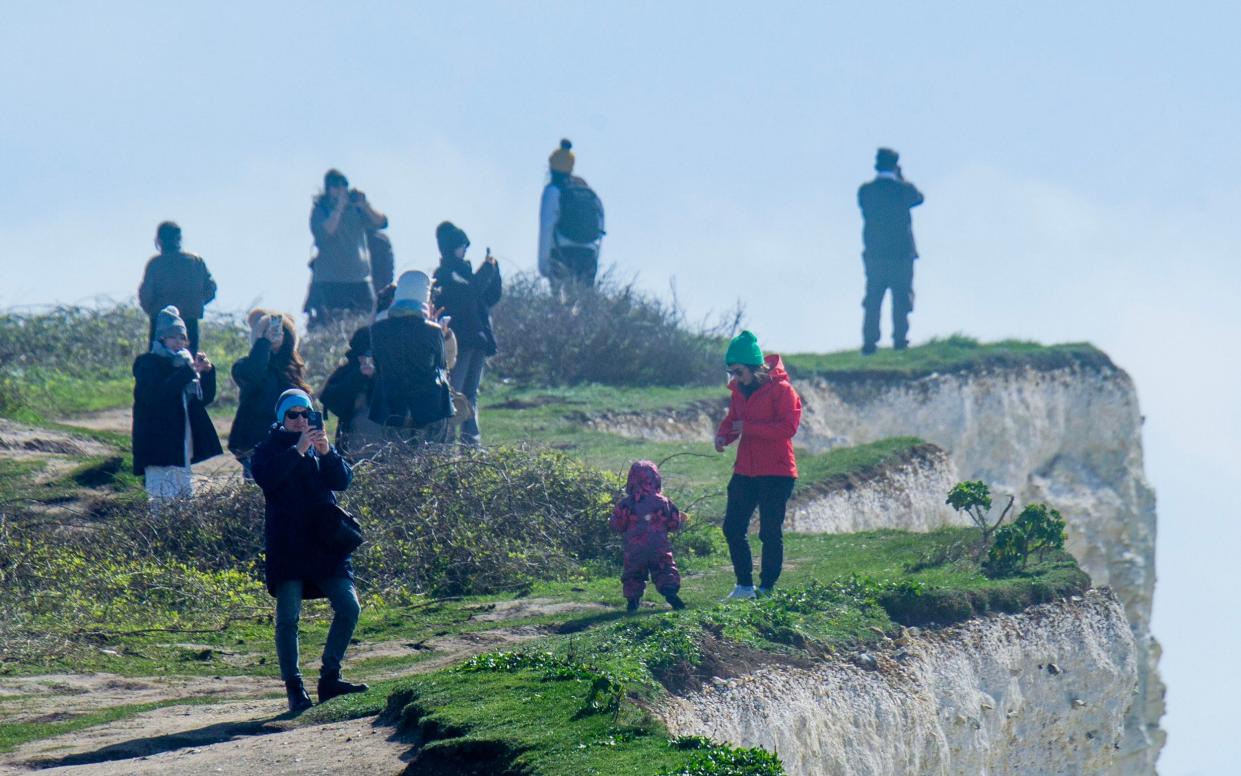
{"points": [[674, 601], [633, 605]]}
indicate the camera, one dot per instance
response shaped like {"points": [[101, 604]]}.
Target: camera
{"points": [[315, 419]]}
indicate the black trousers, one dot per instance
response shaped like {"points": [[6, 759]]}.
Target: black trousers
{"points": [[191, 331], [574, 264], [883, 275], [770, 495]]}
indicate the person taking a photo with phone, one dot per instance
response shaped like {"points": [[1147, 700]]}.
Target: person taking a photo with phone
{"points": [[341, 269], [171, 428], [272, 367], [300, 472]]}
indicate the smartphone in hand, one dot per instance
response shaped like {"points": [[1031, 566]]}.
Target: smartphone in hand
{"points": [[315, 419]]}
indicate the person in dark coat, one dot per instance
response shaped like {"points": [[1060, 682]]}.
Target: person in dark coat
{"points": [[412, 391], [467, 297], [272, 367], [171, 428], [174, 277], [889, 250], [299, 471]]}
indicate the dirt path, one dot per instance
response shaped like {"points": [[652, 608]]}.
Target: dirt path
{"points": [[120, 421], [247, 730]]}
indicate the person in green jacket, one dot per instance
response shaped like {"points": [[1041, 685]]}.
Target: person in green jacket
{"points": [[174, 277]]}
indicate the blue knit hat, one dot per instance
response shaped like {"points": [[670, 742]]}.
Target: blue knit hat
{"points": [[294, 397]]}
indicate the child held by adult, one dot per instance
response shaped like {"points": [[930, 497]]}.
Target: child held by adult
{"points": [[644, 518], [171, 428]]}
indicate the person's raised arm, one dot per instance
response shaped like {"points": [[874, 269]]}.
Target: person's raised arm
{"points": [[725, 435], [788, 417], [207, 379], [249, 371], [913, 197], [272, 466], [334, 472], [151, 390]]}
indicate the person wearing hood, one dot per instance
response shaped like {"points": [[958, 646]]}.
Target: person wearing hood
{"points": [[178, 279], [171, 428], [466, 298], [763, 412], [644, 518], [412, 391], [272, 367], [300, 474]]}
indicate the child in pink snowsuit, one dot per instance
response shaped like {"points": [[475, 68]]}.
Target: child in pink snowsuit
{"points": [[645, 517]]}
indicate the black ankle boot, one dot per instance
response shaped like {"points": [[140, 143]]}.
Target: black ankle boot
{"points": [[299, 699], [331, 685], [633, 605], [674, 601]]}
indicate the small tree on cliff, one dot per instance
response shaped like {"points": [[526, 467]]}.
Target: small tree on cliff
{"points": [[1037, 529], [973, 497]]}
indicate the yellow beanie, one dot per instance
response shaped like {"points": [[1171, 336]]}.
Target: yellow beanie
{"points": [[561, 159]]}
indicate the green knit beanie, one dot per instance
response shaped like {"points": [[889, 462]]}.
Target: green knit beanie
{"points": [[744, 350]]}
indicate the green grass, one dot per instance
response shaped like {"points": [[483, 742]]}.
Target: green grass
{"points": [[951, 354]]}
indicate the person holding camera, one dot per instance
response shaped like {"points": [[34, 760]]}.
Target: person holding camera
{"points": [[341, 269], [300, 473], [888, 249], [171, 428], [272, 367]]}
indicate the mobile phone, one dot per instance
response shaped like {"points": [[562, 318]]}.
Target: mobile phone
{"points": [[315, 419]]}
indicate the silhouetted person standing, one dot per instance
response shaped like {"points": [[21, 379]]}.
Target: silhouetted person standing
{"points": [[341, 270], [889, 250]]}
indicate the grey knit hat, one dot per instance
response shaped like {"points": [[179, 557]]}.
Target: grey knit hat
{"points": [[168, 322]]}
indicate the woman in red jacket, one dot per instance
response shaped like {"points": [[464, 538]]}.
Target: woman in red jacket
{"points": [[764, 413]]}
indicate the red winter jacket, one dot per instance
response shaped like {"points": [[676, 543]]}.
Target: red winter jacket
{"points": [[770, 415]]}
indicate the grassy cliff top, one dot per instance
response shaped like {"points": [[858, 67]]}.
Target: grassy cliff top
{"points": [[949, 355]]}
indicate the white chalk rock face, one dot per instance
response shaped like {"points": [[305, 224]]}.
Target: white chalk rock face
{"points": [[905, 493], [1046, 691], [1069, 436]]}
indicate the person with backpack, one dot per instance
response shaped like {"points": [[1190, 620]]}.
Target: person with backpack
{"points": [[412, 392], [272, 367], [888, 249], [466, 298], [341, 269], [171, 428], [174, 277], [763, 412], [571, 225]]}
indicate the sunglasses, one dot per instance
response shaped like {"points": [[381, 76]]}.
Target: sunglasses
{"points": [[738, 372], [292, 414]]}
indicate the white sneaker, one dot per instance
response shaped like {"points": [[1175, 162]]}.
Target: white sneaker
{"points": [[740, 592]]}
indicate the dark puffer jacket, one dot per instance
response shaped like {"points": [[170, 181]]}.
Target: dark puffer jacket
{"points": [[293, 485], [410, 380], [261, 384], [159, 414], [468, 297]]}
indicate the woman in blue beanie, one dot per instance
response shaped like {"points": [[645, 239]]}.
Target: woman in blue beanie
{"points": [[299, 472]]}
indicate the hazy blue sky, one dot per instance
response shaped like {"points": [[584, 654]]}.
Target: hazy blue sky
{"points": [[1080, 162]]}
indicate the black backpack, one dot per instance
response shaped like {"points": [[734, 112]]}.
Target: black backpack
{"points": [[580, 212]]}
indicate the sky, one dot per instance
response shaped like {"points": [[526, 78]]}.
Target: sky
{"points": [[1079, 161]]}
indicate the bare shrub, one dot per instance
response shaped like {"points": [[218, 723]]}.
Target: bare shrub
{"points": [[613, 333]]}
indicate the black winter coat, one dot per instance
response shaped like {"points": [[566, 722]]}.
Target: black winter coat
{"points": [[292, 485], [410, 373], [159, 414], [468, 297], [261, 385], [347, 383]]}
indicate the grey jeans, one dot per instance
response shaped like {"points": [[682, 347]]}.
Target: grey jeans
{"points": [[466, 377], [345, 610]]}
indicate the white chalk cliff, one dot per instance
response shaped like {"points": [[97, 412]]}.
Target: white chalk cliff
{"points": [[1046, 691]]}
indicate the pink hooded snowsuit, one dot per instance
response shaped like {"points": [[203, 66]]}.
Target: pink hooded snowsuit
{"points": [[644, 518]]}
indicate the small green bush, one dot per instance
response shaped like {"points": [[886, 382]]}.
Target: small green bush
{"points": [[613, 334], [973, 497], [1036, 530]]}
